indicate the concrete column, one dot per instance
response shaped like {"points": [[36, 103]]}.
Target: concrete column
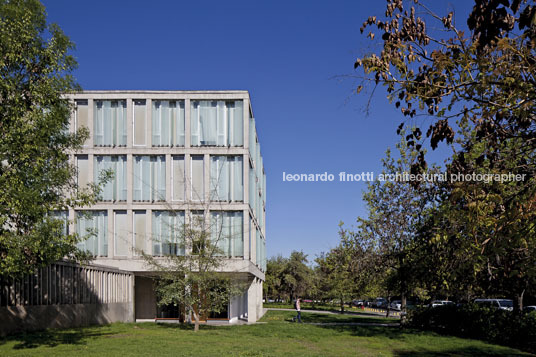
{"points": [[252, 298], [259, 299], [132, 297]]}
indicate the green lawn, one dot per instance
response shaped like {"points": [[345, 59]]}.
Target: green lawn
{"points": [[276, 337]]}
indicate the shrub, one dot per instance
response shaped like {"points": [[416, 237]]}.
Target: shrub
{"points": [[478, 322]]}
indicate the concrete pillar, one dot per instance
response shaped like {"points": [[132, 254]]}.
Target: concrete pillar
{"points": [[252, 301]]}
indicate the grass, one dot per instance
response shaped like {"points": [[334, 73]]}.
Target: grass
{"points": [[276, 337]]}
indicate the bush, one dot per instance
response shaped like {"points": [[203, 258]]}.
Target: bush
{"points": [[478, 322]]}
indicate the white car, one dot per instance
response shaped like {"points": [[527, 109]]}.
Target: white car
{"points": [[529, 308], [441, 303], [396, 305], [503, 304]]}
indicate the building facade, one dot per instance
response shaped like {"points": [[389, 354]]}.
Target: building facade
{"points": [[174, 155]]}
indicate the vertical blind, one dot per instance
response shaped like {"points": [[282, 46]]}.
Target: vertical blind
{"points": [[217, 123], [121, 234], [116, 188], [110, 122], [227, 232], [149, 178], [197, 178], [178, 178], [168, 233], [93, 225], [226, 178], [168, 123]]}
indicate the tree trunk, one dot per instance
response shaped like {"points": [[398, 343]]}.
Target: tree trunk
{"points": [[342, 305], [403, 307], [196, 325], [388, 305], [518, 302]]}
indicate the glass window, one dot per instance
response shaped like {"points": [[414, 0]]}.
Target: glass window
{"points": [[197, 178], [168, 123], [140, 123], [140, 231], [62, 216], [82, 167], [149, 178], [116, 187], [217, 123], [226, 178], [168, 233], [178, 178], [121, 233], [252, 189], [227, 232], [110, 123], [93, 226], [81, 114]]}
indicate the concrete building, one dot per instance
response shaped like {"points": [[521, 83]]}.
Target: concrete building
{"points": [[174, 154]]}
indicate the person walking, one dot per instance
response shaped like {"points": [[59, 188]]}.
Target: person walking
{"points": [[298, 310]]}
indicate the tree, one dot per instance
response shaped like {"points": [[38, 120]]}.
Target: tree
{"points": [[296, 276], [35, 174], [190, 272], [396, 207], [483, 82], [346, 270], [273, 284], [483, 234], [485, 78]]}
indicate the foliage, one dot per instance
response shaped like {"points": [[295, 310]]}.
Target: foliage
{"points": [[288, 278], [396, 208], [35, 174], [480, 238], [473, 321], [485, 77], [273, 283], [347, 270], [194, 279]]}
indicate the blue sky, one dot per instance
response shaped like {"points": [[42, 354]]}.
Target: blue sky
{"points": [[291, 56]]}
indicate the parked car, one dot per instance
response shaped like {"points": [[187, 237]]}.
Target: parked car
{"points": [[358, 303], [396, 305], [503, 304], [380, 303], [436, 303], [530, 308]]}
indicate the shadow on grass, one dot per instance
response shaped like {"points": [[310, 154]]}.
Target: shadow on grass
{"points": [[398, 333], [53, 337], [462, 351]]}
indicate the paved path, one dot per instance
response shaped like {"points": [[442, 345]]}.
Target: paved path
{"points": [[353, 313], [350, 313]]}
